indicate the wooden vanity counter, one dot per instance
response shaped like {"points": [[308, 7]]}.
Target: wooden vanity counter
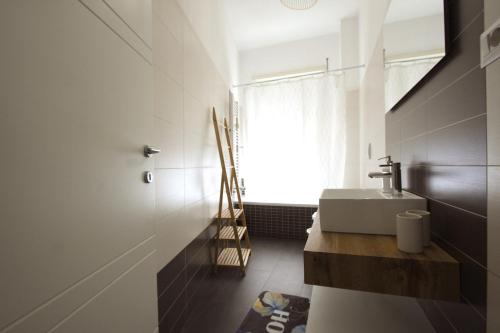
{"points": [[373, 263]]}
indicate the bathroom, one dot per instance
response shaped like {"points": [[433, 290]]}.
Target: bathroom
{"points": [[164, 162]]}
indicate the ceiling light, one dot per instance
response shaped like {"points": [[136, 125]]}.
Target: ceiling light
{"points": [[299, 4]]}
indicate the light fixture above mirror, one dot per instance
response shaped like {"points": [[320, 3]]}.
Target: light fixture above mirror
{"points": [[299, 4]]}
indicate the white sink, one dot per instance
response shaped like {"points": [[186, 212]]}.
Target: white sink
{"points": [[364, 211]]}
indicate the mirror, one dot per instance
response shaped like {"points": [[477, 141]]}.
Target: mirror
{"points": [[414, 42]]}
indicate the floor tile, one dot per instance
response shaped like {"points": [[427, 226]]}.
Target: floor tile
{"points": [[225, 297]]}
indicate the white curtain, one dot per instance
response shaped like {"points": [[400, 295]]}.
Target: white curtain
{"points": [[293, 137], [401, 76]]}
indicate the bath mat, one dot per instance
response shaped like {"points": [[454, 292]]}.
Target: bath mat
{"points": [[275, 312]]}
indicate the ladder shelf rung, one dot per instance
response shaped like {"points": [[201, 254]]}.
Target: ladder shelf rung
{"points": [[229, 257], [227, 232], [226, 213]]}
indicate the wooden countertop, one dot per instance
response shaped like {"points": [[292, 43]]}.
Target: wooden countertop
{"points": [[374, 263]]}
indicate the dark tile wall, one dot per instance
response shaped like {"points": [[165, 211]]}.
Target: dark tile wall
{"points": [[180, 280], [439, 135], [285, 222]]}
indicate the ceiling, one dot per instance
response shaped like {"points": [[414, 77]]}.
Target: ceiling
{"points": [[258, 23]]}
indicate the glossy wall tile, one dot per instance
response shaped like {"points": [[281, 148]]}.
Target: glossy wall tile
{"points": [[186, 85], [439, 132], [285, 222]]}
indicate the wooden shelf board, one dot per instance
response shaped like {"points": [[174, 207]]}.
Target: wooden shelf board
{"points": [[229, 257], [373, 263], [227, 232], [226, 213]]}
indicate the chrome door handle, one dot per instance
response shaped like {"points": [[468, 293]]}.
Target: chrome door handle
{"points": [[148, 151]]}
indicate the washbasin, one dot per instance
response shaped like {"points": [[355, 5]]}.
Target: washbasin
{"points": [[364, 211]]}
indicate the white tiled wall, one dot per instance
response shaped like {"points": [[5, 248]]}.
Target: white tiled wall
{"points": [[492, 13], [187, 85], [207, 19], [137, 14]]}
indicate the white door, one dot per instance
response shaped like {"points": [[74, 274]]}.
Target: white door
{"points": [[76, 217]]}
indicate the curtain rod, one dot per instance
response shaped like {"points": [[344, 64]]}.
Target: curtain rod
{"points": [[415, 59], [296, 76]]}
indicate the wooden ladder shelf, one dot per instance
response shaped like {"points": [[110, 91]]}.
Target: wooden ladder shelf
{"points": [[231, 222]]}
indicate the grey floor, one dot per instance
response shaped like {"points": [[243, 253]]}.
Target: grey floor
{"points": [[226, 297]]}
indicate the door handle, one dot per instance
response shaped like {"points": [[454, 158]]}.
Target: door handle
{"points": [[149, 150]]}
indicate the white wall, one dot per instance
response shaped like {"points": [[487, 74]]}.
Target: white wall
{"points": [[352, 163], [192, 71], [210, 25], [371, 96], [371, 19], [349, 50], [414, 36], [349, 41], [290, 57], [491, 14]]}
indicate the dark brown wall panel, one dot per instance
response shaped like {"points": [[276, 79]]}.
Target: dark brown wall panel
{"points": [[460, 186], [462, 12], [459, 144], [439, 135], [456, 227], [286, 222], [180, 280], [463, 100]]}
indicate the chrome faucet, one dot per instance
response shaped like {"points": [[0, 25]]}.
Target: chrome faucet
{"points": [[383, 173], [390, 170]]}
